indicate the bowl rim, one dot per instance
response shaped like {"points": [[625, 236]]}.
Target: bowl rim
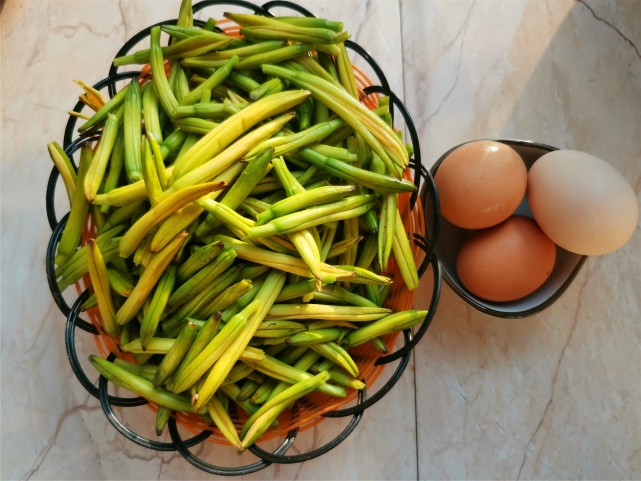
{"points": [[472, 300]]}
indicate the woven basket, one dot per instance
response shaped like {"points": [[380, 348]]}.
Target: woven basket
{"points": [[316, 407]]}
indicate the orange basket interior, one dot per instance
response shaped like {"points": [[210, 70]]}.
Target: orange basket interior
{"points": [[310, 409]]}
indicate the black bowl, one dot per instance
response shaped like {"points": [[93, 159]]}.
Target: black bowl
{"points": [[451, 238]]}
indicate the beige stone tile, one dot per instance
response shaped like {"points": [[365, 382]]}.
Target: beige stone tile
{"points": [[556, 395]]}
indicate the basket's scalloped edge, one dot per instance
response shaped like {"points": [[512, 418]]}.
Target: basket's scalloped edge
{"points": [[425, 187]]}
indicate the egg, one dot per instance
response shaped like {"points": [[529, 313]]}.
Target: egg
{"points": [[506, 262], [480, 184], [581, 202]]}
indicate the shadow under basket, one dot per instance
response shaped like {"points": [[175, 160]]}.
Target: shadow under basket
{"points": [[423, 225]]}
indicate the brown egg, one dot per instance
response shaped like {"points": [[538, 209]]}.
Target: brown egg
{"points": [[506, 262], [480, 184], [581, 202]]}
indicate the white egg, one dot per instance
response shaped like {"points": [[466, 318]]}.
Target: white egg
{"points": [[581, 202]]}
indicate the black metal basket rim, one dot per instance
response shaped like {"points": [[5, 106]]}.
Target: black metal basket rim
{"points": [[73, 320], [108, 401], [425, 185]]}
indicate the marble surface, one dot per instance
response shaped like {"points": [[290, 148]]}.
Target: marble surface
{"points": [[556, 395]]}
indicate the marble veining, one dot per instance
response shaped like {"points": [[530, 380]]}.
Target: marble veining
{"points": [[553, 396]]}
